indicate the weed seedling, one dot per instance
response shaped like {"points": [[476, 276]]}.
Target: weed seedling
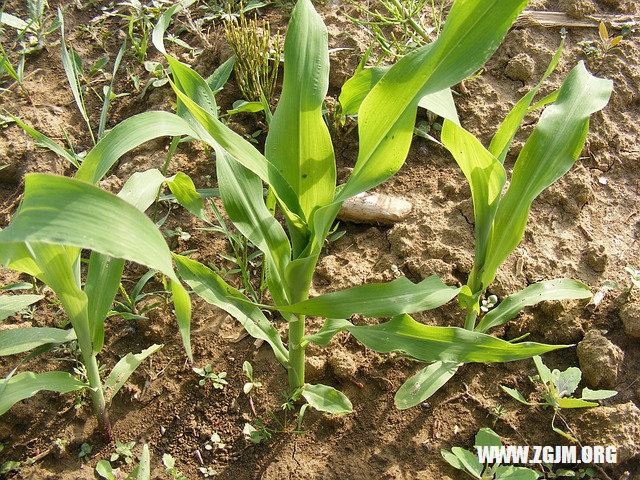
{"points": [[468, 462], [215, 442], [260, 433], [217, 379], [170, 468], [124, 451], [85, 452], [634, 277], [247, 370], [557, 392]]}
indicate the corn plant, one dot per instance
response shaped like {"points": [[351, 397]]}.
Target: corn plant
{"points": [[299, 167], [58, 217]]}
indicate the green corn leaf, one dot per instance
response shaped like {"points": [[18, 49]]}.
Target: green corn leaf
{"points": [[101, 286], [124, 368], [223, 139], [378, 300], [431, 344], [423, 384], [549, 153], [144, 468], [588, 394], [241, 192], [45, 142], [10, 304], [326, 399], [56, 211], [387, 115], [104, 469], [558, 289], [242, 106], [126, 136], [107, 96], [501, 141], [358, 87], [486, 176], [18, 340], [298, 143], [27, 384], [185, 192], [214, 290]]}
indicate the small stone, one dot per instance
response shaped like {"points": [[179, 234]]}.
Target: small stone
{"points": [[520, 67], [630, 316], [343, 365], [599, 359], [597, 257], [618, 425], [315, 367]]}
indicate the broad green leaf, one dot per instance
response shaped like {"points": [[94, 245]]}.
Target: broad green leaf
{"points": [[358, 87], [469, 460], [185, 192], [588, 394], [452, 460], [103, 468], [566, 382], [242, 106], [575, 403], [124, 368], [431, 344], [220, 76], [558, 289], [157, 36], [45, 142], [101, 286], [516, 473], [10, 304], [27, 384], [18, 340], [126, 136], [182, 305], [549, 153], [57, 210], [424, 384], [486, 176], [326, 399], [472, 32], [14, 22], [144, 468], [487, 438], [501, 141], [241, 192], [214, 290], [196, 88], [543, 370], [378, 300], [515, 394], [298, 143]]}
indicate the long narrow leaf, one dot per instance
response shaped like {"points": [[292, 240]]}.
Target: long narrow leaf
{"points": [[431, 344], [27, 384], [378, 300], [125, 367], [423, 384], [18, 340], [558, 289], [10, 304]]}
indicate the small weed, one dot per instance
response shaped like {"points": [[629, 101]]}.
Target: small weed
{"points": [[124, 451], [128, 308], [217, 379], [247, 370], [170, 468], [558, 388], [259, 433], [215, 442], [85, 452], [208, 472], [603, 46], [634, 277]]}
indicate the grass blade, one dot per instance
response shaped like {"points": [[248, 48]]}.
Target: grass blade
{"points": [[424, 384], [10, 304], [18, 340], [124, 368]]}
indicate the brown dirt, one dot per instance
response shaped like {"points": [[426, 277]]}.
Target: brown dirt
{"points": [[586, 226]]}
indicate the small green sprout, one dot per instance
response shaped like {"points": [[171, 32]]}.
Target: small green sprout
{"points": [[170, 468], [258, 434], [247, 370], [215, 442], [634, 277], [558, 388], [85, 452], [9, 466], [468, 462], [123, 450], [218, 379], [208, 472], [488, 303]]}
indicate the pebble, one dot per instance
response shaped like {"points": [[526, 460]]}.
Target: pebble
{"points": [[599, 360]]}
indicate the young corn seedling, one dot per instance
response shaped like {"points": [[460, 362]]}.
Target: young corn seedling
{"points": [[500, 219], [45, 239], [558, 390], [299, 167]]}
